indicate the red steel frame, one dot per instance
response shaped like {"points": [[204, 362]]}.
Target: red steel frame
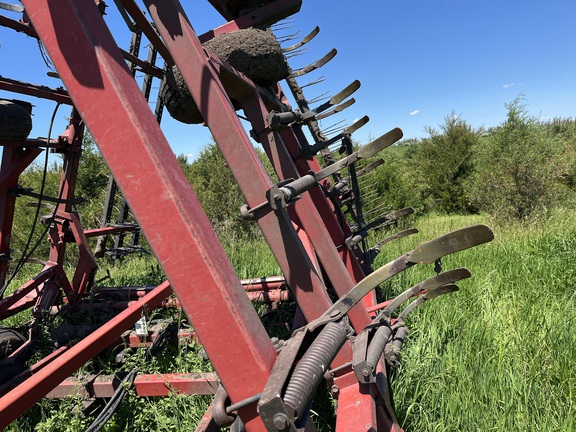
{"points": [[105, 95]]}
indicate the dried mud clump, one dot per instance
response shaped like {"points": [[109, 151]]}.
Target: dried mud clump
{"points": [[177, 99], [255, 53]]}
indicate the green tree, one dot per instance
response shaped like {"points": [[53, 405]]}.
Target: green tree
{"points": [[217, 190], [394, 181], [516, 168], [443, 162]]}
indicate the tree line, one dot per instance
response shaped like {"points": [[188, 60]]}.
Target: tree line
{"points": [[519, 170]]}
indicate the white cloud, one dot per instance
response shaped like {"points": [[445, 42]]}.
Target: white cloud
{"points": [[413, 113], [508, 85]]}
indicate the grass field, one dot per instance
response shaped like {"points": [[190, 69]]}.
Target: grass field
{"points": [[500, 354]]}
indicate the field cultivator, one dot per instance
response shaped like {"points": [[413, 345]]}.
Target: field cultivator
{"points": [[316, 219]]}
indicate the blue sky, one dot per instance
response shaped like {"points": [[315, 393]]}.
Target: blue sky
{"points": [[419, 61]]}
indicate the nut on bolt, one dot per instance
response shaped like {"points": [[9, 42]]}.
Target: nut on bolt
{"points": [[281, 422]]}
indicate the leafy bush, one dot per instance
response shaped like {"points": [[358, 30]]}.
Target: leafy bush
{"points": [[217, 191], [517, 168], [444, 163]]}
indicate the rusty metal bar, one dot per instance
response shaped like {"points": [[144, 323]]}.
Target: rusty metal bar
{"points": [[147, 385], [19, 26], [17, 401], [178, 231], [59, 95]]}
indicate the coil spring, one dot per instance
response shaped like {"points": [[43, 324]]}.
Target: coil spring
{"points": [[311, 368], [392, 351], [376, 347]]}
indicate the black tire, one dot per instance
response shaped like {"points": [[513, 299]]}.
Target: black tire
{"points": [[10, 341], [15, 122], [9, 369]]}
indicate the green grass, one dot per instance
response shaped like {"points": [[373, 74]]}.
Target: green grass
{"points": [[500, 354]]}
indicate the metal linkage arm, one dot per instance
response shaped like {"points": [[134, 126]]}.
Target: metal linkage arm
{"points": [[369, 345], [362, 233], [288, 191], [311, 150], [316, 344], [284, 119], [393, 347]]}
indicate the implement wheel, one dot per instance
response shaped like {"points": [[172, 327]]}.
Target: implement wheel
{"points": [[10, 341]]}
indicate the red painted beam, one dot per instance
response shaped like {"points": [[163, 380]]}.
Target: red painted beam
{"points": [[238, 150], [40, 91], [17, 401], [177, 229], [148, 385]]}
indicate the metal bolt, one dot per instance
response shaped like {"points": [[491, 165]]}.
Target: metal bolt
{"points": [[334, 389], [366, 372], [281, 422]]}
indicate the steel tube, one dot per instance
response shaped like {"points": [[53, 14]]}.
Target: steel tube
{"points": [[17, 401], [114, 109]]}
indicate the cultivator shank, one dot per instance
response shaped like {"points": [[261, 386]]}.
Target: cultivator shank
{"points": [[312, 219]]}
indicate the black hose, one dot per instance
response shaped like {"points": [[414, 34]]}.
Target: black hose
{"points": [[393, 348], [27, 254], [114, 403]]}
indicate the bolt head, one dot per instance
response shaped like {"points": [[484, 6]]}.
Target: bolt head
{"points": [[281, 422]]}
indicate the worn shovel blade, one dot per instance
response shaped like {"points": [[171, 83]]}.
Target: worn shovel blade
{"points": [[337, 109], [11, 7], [445, 289], [381, 143], [400, 213], [398, 235], [304, 41], [355, 126], [455, 241], [335, 100], [424, 253], [431, 284], [348, 91], [371, 149], [370, 167], [316, 65]]}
